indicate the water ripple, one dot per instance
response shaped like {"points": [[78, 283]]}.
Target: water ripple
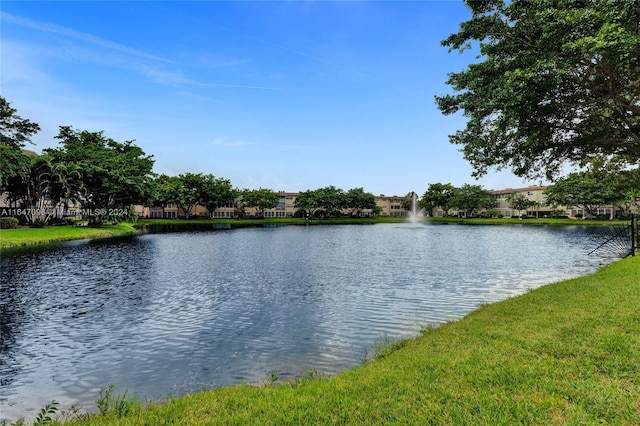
{"points": [[175, 313]]}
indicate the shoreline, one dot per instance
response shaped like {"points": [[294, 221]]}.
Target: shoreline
{"points": [[24, 238], [564, 353], [587, 317], [21, 238]]}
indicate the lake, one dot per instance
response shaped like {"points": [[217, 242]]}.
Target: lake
{"points": [[171, 313]]}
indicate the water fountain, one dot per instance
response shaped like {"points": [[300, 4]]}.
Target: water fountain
{"points": [[416, 215]]}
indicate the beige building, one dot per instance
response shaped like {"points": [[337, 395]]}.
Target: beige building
{"points": [[535, 194], [502, 196], [392, 206], [389, 206], [541, 209]]}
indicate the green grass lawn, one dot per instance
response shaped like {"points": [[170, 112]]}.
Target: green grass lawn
{"points": [[564, 354], [12, 238]]}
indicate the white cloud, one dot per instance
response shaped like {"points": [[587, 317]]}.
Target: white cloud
{"points": [[152, 67], [77, 35]]}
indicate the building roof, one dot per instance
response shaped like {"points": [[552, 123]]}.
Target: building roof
{"points": [[516, 190]]}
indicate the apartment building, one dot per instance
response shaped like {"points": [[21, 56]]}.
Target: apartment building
{"points": [[393, 206], [389, 206], [540, 208], [535, 194]]}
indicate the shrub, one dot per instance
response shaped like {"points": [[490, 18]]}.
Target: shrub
{"points": [[8, 223], [492, 214], [38, 223], [117, 405]]}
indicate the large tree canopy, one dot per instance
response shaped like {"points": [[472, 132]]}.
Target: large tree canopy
{"points": [[15, 132], [559, 81], [472, 198], [601, 184], [359, 200], [114, 174], [438, 195], [262, 199]]}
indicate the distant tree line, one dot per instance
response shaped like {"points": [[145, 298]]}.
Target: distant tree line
{"points": [[107, 177], [602, 183], [467, 198]]}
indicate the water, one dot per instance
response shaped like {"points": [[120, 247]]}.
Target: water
{"points": [[416, 214], [164, 314]]}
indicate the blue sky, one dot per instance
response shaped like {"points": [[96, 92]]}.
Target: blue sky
{"points": [[286, 95]]}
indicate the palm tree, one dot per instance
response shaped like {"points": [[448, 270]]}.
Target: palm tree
{"points": [[66, 186], [47, 185]]}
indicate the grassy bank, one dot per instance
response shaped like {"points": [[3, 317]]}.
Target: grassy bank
{"points": [[531, 221], [566, 353], [13, 238]]}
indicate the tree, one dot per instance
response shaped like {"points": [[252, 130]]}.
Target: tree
{"points": [[630, 183], [115, 175], [45, 185], [15, 132], [162, 191], [330, 199], [239, 210], [407, 201], [38, 181], [261, 199], [559, 81], [216, 193], [520, 202], [472, 198], [438, 195], [187, 191], [359, 200], [66, 187], [306, 203], [601, 184]]}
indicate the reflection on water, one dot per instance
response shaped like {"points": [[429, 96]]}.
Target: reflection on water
{"points": [[167, 314]]}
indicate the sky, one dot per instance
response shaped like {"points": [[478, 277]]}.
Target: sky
{"points": [[285, 95]]}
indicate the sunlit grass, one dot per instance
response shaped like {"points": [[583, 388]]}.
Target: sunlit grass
{"points": [[566, 353], [10, 238]]}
